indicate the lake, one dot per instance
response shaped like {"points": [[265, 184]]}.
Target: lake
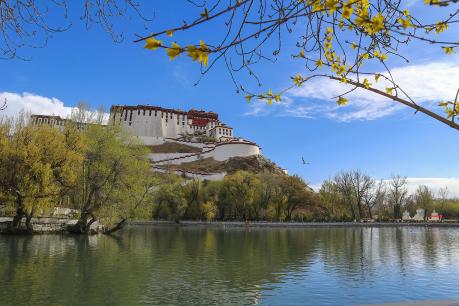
{"points": [[197, 265]]}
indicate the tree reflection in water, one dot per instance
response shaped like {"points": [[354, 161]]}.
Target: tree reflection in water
{"points": [[202, 265]]}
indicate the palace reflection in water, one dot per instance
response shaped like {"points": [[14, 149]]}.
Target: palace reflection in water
{"points": [[207, 266]]}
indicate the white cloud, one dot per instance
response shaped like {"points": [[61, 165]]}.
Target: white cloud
{"points": [[435, 184], [33, 104], [432, 82]]}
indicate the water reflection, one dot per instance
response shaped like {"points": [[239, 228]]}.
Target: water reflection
{"points": [[208, 266]]}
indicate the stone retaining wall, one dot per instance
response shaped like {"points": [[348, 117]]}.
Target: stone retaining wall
{"points": [[40, 225]]}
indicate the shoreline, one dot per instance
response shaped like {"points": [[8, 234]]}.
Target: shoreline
{"points": [[57, 225], [267, 224]]}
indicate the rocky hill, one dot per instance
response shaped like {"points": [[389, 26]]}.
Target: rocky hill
{"points": [[254, 164]]}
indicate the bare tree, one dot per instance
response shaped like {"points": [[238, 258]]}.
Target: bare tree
{"points": [[354, 186], [32, 23], [443, 198], [397, 194], [343, 183], [350, 40], [83, 114], [362, 185], [375, 197]]}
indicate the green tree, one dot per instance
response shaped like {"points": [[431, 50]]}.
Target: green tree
{"points": [[170, 199], [37, 163], [194, 192], [332, 201], [209, 210], [276, 208], [296, 193], [114, 168], [239, 189], [423, 198]]}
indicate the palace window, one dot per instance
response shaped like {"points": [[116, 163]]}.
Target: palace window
{"points": [[130, 117], [144, 112], [150, 113]]}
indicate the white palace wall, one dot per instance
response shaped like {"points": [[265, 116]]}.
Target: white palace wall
{"points": [[153, 124], [225, 151]]}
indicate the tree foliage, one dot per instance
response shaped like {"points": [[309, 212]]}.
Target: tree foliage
{"points": [[347, 41], [37, 164], [114, 176], [241, 196]]}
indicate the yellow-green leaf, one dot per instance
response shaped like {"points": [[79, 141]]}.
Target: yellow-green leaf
{"points": [[152, 43], [174, 51], [342, 101]]}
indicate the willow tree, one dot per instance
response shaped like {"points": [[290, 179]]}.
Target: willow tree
{"points": [[36, 164], [347, 41], [113, 180]]}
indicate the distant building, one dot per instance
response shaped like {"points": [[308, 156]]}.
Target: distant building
{"points": [[154, 123], [434, 216], [420, 214], [53, 121], [406, 216]]}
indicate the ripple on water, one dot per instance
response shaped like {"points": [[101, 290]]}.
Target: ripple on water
{"points": [[208, 266]]}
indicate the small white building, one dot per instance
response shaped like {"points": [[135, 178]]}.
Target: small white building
{"points": [[54, 121], [420, 214], [434, 216], [406, 216]]}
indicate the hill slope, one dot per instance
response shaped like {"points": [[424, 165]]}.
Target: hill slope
{"points": [[254, 164]]}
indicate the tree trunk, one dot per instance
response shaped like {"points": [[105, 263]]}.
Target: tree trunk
{"points": [[28, 223], [83, 226], [397, 211], [352, 211], [361, 214], [369, 212], [17, 219], [117, 227]]}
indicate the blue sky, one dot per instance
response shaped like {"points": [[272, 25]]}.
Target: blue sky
{"points": [[371, 134]]}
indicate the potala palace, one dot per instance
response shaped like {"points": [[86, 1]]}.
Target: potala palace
{"points": [[179, 140]]}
